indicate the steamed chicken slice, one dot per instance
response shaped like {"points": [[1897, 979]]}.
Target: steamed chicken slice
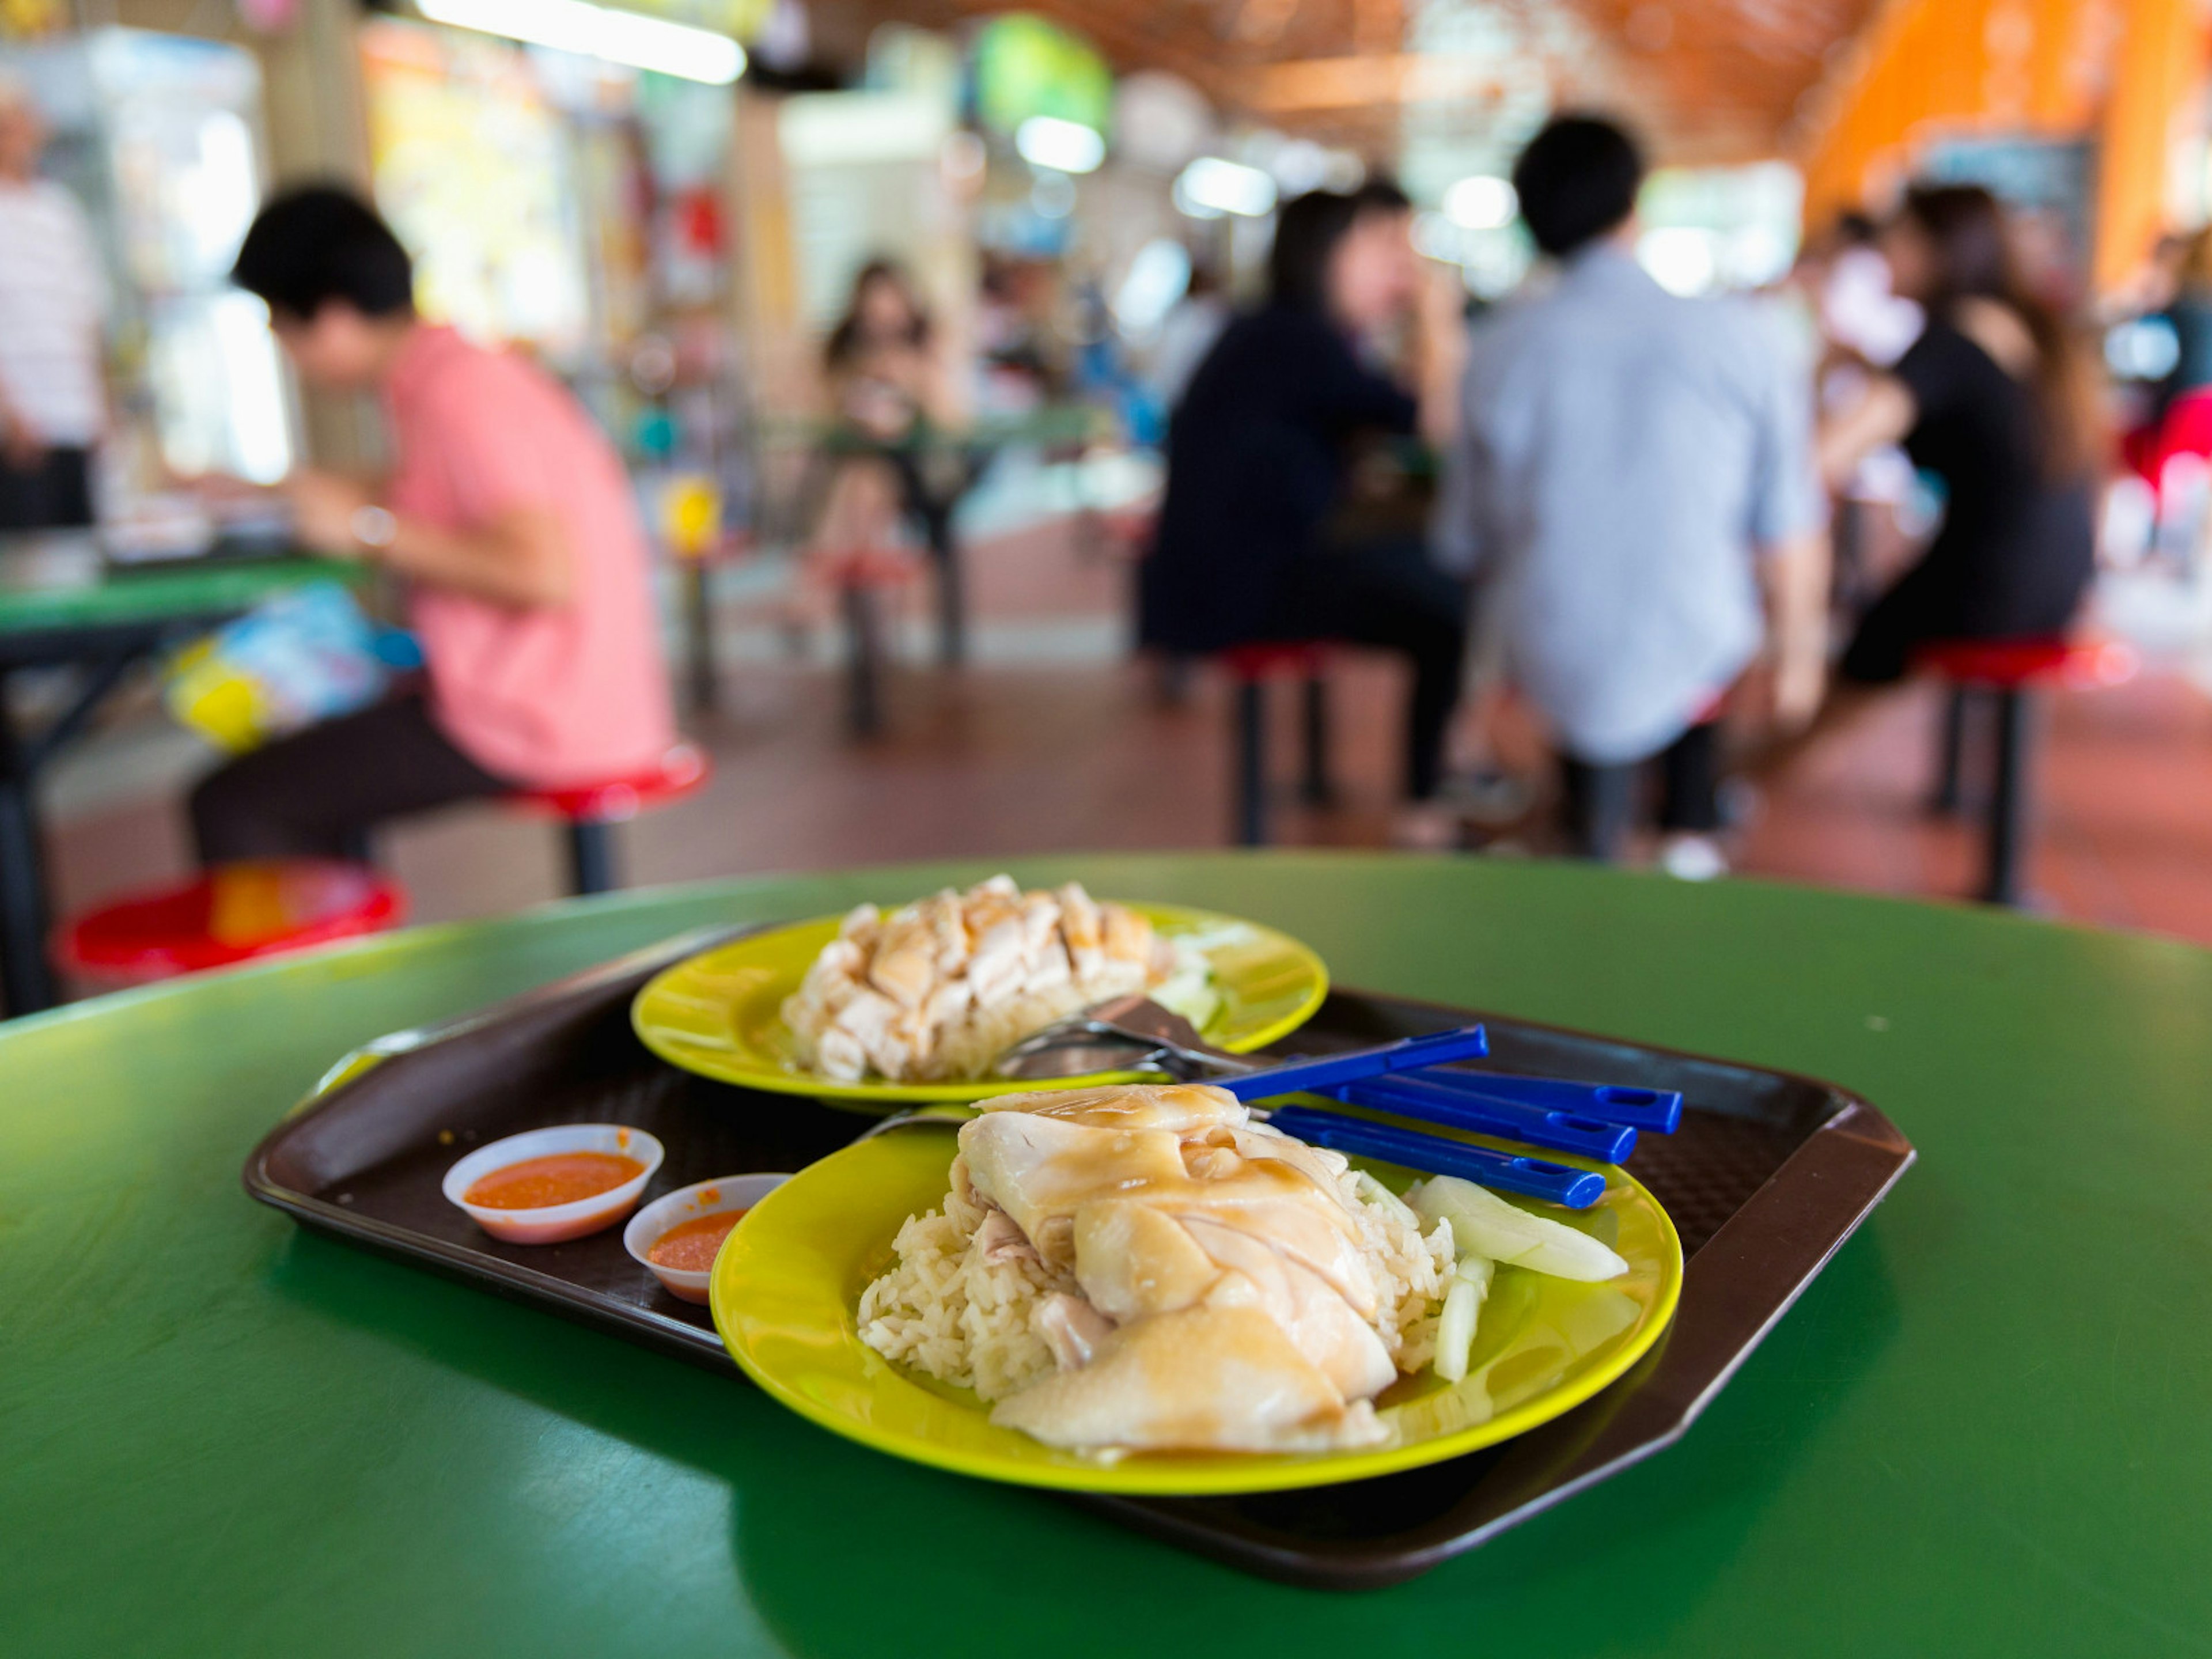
{"points": [[905, 965], [999, 960], [1131, 1260], [1040, 1170], [1210, 1378], [1271, 1199], [1319, 1323], [1181, 1108], [1070, 1327], [1083, 929], [1135, 1261], [1126, 936]]}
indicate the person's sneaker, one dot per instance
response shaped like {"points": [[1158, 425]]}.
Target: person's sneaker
{"points": [[1692, 858]]}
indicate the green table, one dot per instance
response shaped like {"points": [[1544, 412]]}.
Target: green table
{"points": [[1983, 1429], [61, 605], [108, 596]]}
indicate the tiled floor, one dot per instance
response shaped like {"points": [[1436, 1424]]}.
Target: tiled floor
{"points": [[1067, 747], [2124, 836]]}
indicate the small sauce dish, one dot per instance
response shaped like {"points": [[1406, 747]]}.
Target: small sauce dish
{"points": [[552, 1224], [657, 1221]]}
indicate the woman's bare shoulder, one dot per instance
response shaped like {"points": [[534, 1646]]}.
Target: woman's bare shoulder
{"points": [[2000, 331]]}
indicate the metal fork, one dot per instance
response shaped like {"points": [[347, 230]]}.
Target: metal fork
{"points": [[1125, 1034]]}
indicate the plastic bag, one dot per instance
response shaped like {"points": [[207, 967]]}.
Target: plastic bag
{"points": [[304, 656]]}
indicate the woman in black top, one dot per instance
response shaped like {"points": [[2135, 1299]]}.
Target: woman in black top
{"points": [[1256, 461], [1995, 398]]}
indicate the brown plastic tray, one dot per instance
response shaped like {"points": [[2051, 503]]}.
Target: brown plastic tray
{"points": [[1768, 1175]]}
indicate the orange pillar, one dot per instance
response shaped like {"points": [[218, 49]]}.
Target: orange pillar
{"points": [[2158, 69]]}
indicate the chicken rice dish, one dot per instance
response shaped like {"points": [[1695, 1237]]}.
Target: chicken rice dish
{"points": [[939, 989], [1150, 1269]]}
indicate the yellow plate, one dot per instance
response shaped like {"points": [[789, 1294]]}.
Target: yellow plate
{"points": [[786, 1286], [720, 1013]]}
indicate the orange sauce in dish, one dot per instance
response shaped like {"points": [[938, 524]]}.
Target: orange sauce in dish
{"points": [[690, 1246], [538, 1183]]}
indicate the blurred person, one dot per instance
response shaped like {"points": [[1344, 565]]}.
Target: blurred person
{"points": [[1860, 310], [1257, 468], [1633, 484], [1193, 323], [1864, 325], [510, 519], [52, 404], [1997, 399], [888, 392]]}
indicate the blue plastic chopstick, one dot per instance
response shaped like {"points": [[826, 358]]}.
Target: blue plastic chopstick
{"points": [[1535, 1177], [1412, 1094], [1659, 1110], [1307, 1075]]}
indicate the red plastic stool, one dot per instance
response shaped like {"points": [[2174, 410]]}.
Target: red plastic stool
{"points": [[231, 914], [1250, 668], [2012, 672], [589, 810]]}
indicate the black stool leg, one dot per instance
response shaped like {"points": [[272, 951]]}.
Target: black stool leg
{"points": [[591, 858], [1316, 788], [26, 979], [952, 603], [1950, 786], [864, 670], [1251, 782], [699, 614], [2009, 809], [355, 844]]}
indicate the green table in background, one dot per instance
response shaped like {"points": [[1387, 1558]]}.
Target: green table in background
{"points": [[61, 605], [1983, 1430]]}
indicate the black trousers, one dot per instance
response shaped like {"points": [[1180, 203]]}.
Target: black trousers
{"points": [[1602, 804], [316, 793], [1389, 595], [53, 493]]}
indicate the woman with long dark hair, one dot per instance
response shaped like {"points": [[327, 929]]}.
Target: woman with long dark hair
{"points": [[887, 388], [1257, 459], [1998, 400]]}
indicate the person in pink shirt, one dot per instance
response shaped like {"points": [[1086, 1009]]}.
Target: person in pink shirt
{"points": [[508, 516]]}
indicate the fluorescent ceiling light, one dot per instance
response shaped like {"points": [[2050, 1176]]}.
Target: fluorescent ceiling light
{"points": [[1482, 203], [603, 32], [1046, 140], [1210, 186]]}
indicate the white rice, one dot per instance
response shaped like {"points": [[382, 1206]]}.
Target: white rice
{"points": [[946, 1311]]}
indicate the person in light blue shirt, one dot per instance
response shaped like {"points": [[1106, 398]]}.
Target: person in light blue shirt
{"points": [[1633, 485]]}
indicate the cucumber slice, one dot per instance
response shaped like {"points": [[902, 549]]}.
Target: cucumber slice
{"points": [[1456, 1329], [1485, 1224]]}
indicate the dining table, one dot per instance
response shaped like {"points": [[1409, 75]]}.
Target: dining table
{"points": [[1978, 1431], [65, 604]]}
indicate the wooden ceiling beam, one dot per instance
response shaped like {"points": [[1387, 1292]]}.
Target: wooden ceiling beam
{"points": [[1725, 81]]}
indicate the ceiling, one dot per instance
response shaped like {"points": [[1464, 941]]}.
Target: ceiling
{"points": [[1706, 80]]}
